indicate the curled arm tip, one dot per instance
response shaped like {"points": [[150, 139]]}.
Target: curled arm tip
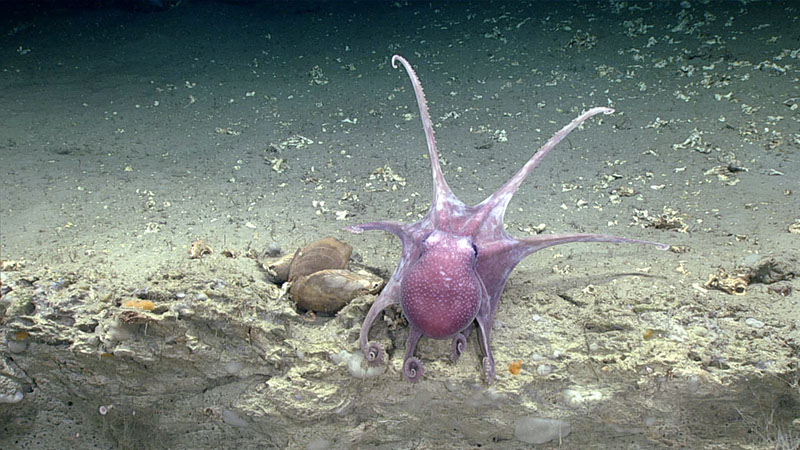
{"points": [[355, 229]]}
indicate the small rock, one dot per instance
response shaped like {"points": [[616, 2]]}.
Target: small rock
{"points": [[17, 346], [232, 418], [536, 430], [354, 364], [575, 398], [273, 249], [772, 269], [319, 444], [544, 369], [233, 367], [755, 323], [11, 398]]}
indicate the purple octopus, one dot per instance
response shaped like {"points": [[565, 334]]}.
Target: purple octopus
{"points": [[455, 261]]}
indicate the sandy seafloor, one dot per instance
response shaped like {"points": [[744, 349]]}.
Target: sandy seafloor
{"points": [[126, 135]]}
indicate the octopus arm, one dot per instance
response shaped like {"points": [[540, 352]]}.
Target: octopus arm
{"points": [[373, 351], [533, 244]]}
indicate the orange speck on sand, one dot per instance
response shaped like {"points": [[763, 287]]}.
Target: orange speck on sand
{"points": [[21, 335], [515, 367], [143, 305]]}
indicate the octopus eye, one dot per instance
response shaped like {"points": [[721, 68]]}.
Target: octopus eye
{"points": [[475, 249]]}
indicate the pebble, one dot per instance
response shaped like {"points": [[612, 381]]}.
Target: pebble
{"points": [[233, 367], [575, 398], [319, 444], [354, 364], [58, 285], [16, 397], [544, 369], [755, 323], [118, 332], [232, 418], [17, 346], [273, 249], [536, 430]]}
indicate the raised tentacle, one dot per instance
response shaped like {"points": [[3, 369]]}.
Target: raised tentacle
{"points": [[508, 252], [442, 194], [495, 205], [519, 248], [535, 243]]}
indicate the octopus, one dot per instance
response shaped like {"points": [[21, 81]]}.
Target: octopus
{"points": [[455, 261]]}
